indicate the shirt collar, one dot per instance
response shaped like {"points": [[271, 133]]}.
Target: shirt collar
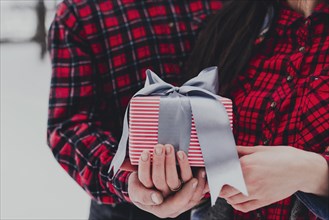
{"points": [[287, 16], [323, 7]]}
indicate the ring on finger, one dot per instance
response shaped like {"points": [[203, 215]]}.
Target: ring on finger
{"points": [[178, 187]]}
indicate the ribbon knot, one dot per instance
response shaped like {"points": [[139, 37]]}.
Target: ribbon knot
{"points": [[173, 92], [176, 89], [213, 128]]}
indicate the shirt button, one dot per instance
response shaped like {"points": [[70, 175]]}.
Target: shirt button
{"points": [[307, 22], [289, 78], [171, 24], [258, 215], [273, 104], [301, 49], [266, 141]]}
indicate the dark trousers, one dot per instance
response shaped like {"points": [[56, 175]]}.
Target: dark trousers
{"points": [[124, 211]]}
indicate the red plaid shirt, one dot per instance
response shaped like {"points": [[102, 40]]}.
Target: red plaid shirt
{"points": [[100, 51], [283, 98]]}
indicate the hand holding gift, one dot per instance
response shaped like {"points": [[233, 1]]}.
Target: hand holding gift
{"points": [[159, 189], [177, 107]]}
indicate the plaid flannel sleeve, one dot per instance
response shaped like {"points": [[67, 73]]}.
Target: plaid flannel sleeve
{"points": [[75, 133]]}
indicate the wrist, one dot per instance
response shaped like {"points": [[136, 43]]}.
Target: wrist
{"points": [[129, 180], [118, 185], [126, 196], [315, 173]]}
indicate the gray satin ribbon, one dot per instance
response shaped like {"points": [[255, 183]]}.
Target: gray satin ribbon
{"points": [[212, 124], [175, 114]]}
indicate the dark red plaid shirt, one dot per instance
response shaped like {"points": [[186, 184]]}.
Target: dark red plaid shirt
{"points": [[101, 49], [283, 98]]}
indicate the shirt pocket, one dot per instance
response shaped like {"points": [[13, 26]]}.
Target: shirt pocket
{"points": [[320, 83], [314, 121]]}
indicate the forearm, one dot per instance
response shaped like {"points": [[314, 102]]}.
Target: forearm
{"points": [[85, 152], [79, 134]]}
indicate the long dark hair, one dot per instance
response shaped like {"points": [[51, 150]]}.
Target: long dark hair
{"points": [[228, 39]]}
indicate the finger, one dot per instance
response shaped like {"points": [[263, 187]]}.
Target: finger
{"points": [[198, 194], [144, 169], [184, 165], [228, 191], [200, 190], [206, 188], [180, 200], [249, 206], [171, 170], [158, 169], [139, 194], [175, 204], [237, 199], [243, 150]]}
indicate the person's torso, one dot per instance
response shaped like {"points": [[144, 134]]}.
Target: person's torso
{"points": [[128, 37], [283, 98]]}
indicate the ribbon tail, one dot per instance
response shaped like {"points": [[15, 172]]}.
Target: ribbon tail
{"points": [[229, 173], [120, 155], [220, 154]]}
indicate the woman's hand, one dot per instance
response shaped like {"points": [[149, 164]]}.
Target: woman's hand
{"points": [[162, 173], [273, 173], [153, 188]]}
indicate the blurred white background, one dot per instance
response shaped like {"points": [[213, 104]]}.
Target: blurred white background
{"points": [[33, 185]]}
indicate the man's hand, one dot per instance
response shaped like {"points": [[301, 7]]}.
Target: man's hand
{"points": [[162, 173]]}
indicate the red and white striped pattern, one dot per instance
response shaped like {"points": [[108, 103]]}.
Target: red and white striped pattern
{"points": [[143, 129]]}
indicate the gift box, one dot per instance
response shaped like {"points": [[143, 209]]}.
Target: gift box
{"points": [[144, 124], [193, 119]]}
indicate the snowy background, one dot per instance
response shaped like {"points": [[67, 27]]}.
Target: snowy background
{"points": [[33, 185]]}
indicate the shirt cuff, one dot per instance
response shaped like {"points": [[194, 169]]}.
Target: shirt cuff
{"points": [[126, 194], [119, 184], [316, 204]]}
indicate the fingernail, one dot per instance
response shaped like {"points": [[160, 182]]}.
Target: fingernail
{"points": [[145, 156], [168, 149], [158, 150], [195, 184], [203, 174], [180, 155], [155, 198]]}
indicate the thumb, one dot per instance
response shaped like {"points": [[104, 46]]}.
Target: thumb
{"points": [[140, 194], [178, 202], [183, 196]]}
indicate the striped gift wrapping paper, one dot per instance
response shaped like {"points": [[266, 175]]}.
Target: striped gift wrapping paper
{"points": [[143, 129]]}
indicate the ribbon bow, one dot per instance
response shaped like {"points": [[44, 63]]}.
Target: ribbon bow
{"points": [[213, 127]]}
